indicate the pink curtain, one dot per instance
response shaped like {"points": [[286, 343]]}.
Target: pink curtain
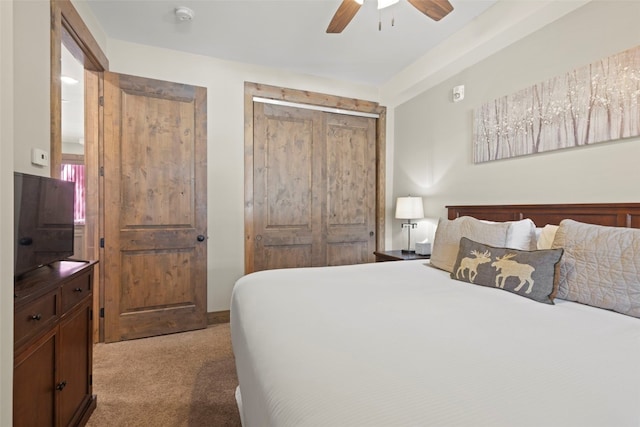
{"points": [[75, 173]]}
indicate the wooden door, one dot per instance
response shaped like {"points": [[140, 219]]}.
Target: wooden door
{"points": [[314, 188], [288, 232], [34, 399], [155, 227], [350, 189], [74, 364]]}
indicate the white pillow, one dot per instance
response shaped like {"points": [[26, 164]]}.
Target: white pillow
{"points": [[538, 232], [547, 235], [446, 242], [521, 234]]}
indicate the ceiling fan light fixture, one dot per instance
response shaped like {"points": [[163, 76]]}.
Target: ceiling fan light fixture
{"points": [[386, 3], [434, 9], [381, 3]]}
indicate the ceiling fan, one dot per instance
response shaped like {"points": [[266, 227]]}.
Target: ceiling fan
{"points": [[434, 9]]}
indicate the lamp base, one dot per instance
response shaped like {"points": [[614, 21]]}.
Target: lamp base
{"points": [[408, 251]]}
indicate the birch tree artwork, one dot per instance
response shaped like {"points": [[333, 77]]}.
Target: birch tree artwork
{"points": [[595, 103]]}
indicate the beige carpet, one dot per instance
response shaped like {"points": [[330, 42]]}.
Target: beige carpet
{"points": [[186, 379]]}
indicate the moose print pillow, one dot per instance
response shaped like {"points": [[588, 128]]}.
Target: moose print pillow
{"points": [[530, 274]]}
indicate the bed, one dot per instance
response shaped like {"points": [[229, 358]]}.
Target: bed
{"points": [[404, 344]]}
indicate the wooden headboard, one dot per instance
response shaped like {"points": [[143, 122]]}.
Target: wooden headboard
{"points": [[612, 214]]}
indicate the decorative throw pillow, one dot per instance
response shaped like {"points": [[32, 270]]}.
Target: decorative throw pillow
{"points": [[449, 232], [530, 274], [601, 266], [547, 234]]}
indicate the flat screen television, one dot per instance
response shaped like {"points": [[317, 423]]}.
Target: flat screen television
{"points": [[43, 221]]}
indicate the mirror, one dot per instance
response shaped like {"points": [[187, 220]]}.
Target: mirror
{"points": [[72, 77], [73, 137]]}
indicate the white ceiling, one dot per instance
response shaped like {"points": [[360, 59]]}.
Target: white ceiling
{"points": [[289, 34]]}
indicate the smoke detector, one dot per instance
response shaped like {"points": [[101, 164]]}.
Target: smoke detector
{"points": [[184, 14]]}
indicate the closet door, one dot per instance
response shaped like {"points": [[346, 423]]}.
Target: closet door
{"points": [[287, 225], [314, 188], [350, 189]]}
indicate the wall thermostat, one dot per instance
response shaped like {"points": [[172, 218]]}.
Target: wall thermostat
{"points": [[39, 157]]}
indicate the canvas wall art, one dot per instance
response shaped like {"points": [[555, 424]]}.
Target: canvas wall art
{"points": [[596, 103]]}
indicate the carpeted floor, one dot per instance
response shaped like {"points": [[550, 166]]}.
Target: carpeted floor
{"points": [[185, 379]]}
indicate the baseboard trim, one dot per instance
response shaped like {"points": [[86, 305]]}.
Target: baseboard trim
{"points": [[216, 317]]}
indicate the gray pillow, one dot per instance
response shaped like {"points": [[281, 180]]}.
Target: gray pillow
{"points": [[447, 239], [530, 274], [601, 266]]}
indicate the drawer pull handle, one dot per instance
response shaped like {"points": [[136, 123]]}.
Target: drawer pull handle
{"points": [[77, 290], [36, 316], [62, 385]]}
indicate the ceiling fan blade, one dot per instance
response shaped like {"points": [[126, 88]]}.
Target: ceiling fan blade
{"points": [[434, 9], [343, 16]]}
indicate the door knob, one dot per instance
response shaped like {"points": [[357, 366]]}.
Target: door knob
{"points": [[201, 238]]}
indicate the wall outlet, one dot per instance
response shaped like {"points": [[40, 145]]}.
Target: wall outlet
{"points": [[39, 157]]}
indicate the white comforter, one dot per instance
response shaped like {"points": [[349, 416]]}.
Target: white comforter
{"points": [[401, 344]]}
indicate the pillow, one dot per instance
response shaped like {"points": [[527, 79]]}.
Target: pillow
{"points": [[547, 234], [601, 266], [449, 232], [530, 274], [521, 234]]}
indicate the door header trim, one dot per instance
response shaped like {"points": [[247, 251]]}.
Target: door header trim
{"points": [[315, 107]]}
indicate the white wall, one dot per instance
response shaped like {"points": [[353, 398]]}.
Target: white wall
{"points": [[433, 136], [6, 215], [32, 111], [91, 22], [224, 81], [24, 124]]}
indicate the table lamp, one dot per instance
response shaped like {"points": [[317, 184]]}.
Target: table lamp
{"points": [[409, 208]]}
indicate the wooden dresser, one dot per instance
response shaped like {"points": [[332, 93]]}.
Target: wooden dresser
{"points": [[53, 343]]}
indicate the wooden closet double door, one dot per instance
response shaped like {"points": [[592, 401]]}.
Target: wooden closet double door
{"points": [[314, 188]]}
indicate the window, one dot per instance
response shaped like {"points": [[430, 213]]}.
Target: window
{"points": [[73, 171]]}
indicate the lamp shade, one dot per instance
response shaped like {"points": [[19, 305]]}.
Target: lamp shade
{"points": [[409, 208]]}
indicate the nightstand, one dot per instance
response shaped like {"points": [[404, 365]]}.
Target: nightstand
{"points": [[397, 256]]}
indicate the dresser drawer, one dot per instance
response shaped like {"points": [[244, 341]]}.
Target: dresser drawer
{"points": [[74, 291], [35, 317]]}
